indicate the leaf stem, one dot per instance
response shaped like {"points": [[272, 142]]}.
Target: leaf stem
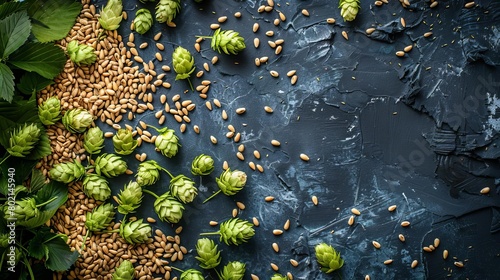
{"points": [[46, 202], [190, 84], [204, 37], [178, 269], [150, 192], [5, 158], [210, 233], [84, 240], [218, 273], [169, 174], [28, 266], [212, 196]]}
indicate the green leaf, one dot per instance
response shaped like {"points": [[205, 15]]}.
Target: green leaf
{"points": [[36, 247], [42, 148], [9, 8], [51, 190], [37, 180], [14, 31], [52, 19], [6, 83], [44, 58], [22, 169], [32, 82], [16, 113], [60, 257]]}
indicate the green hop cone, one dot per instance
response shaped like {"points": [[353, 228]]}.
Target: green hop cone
{"points": [[202, 165], [124, 142], [4, 240], [77, 120], [135, 232], [183, 188], [24, 210], [125, 271], [111, 15], [183, 63], [23, 140], [278, 276], [234, 231], [227, 41], [110, 165], [167, 142], [192, 274], [349, 9], [93, 140], [166, 10], [231, 182], [148, 173], [96, 186], [81, 54], [129, 198], [328, 259], [143, 21], [233, 271], [168, 208], [208, 254], [49, 112], [67, 172], [100, 217]]}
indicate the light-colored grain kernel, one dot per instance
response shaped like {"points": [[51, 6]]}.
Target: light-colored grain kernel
{"points": [[351, 220], [224, 115], [414, 263], [282, 16], [277, 232], [427, 34], [469, 5], [376, 244], [293, 81], [485, 190], [222, 19], [392, 208], [234, 213], [330, 20], [213, 139], [367, 277], [305, 12], [286, 226], [255, 27], [268, 109], [401, 238], [214, 26], [403, 22], [157, 36], [275, 143], [433, 4], [276, 247], [278, 50], [260, 168], [237, 14], [256, 42], [274, 267], [272, 44], [445, 254], [291, 73], [256, 154], [255, 221], [151, 220], [304, 157], [263, 59], [458, 264], [355, 211], [370, 30], [400, 53], [240, 205], [182, 128], [269, 198], [217, 102], [257, 62], [143, 45], [240, 156], [196, 129], [213, 223], [408, 48], [436, 242], [427, 249], [269, 33], [251, 164], [276, 21], [294, 263], [387, 262], [405, 223], [345, 35], [108, 134], [268, 8], [214, 59], [314, 200], [240, 111]]}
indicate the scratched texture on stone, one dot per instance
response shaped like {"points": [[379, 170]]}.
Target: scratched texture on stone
{"points": [[420, 132]]}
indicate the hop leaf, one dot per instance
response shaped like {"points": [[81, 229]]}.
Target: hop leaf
{"points": [[168, 208], [125, 271], [67, 172], [183, 188], [93, 140], [96, 186], [231, 182], [349, 9], [233, 271], [23, 140], [328, 259], [166, 10], [227, 41], [77, 120], [81, 53], [110, 165], [111, 15], [124, 142], [100, 217], [143, 21], [148, 173], [208, 254], [129, 198], [49, 112], [135, 232], [202, 165], [192, 274]]}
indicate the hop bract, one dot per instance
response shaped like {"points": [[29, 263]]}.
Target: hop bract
{"points": [[67, 172], [124, 142], [192, 274], [202, 165], [23, 140], [96, 186], [93, 140], [227, 41], [81, 53], [111, 15], [49, 112], [208, 254], [166, 10], [110, 165], [125, 271], [233, 271], [328, 259], [129, 198], [148, 173], [77, 120], [168, 208], [231, 182], [183, 188], [349, 9], [143, 21], [135, 232], [100, 217]]}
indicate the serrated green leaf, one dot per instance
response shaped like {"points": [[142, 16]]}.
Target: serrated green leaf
{"points": [[51, 190], [44, 58], [14, 31], [36, 247], [52, 19], [60, 257], [9, 8], [37, 180], [6, 83], [32, 82]]}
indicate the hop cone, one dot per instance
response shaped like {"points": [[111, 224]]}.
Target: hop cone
{"points": [[124, 142], [129, 198], [67, 172], [110, 165], [148, 173], [208, 254], [77, 120], [183, 63], [4, 240], [328, 258], [192, 274], [24, 210], [23, 140], [96, 186], [233, 271], [167, 142], [168, 208], [278, 276], [143, 21], [49, 111], [202, 165], [125, 271], [231, 182], [81, 53], [349, 9], [135, 232], [183, 188], [100, 217], [111, 15], [93, 140], [236, 231], [227, 41], [166, 10]]}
